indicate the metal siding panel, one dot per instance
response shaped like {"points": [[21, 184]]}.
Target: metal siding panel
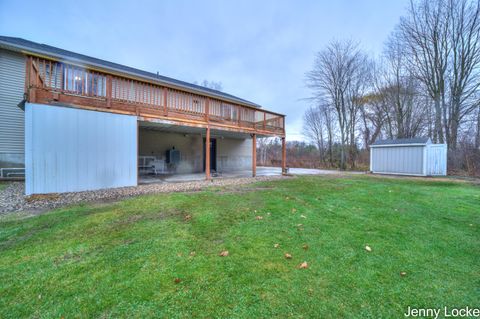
{"points": [[28, 148], [12, 82], [75, 150], [436, 159], [398, 160]]}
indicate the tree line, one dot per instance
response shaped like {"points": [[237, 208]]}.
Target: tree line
{"points": [[425, 83]]}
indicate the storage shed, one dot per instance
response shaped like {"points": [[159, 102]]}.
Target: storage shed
{"points": [[411, 156]]}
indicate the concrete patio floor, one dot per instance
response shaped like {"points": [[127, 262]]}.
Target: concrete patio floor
{"points": [[261, 171]]}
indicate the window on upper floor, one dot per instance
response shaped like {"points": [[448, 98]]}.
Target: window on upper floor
{"points": [[83, 82]]}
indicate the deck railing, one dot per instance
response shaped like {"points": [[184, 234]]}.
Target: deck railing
{"points": [[59, 81]]}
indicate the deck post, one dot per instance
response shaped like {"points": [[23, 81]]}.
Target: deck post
{"points": [[254, 155], [284, 156], [207, 154]]}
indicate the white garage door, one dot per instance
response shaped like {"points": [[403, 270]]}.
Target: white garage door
{"points": [[69, 149]]}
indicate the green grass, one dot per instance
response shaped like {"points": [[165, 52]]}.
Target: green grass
{"points": [[122, 259], [3, 185]]}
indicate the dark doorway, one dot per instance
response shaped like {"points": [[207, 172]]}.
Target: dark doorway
{"points": [[213, 154]]}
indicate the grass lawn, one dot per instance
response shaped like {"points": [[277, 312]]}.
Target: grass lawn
{"points": [[3, 185], [134, 258]]}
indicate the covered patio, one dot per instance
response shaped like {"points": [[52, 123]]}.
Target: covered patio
{"points": [[169, 151]]}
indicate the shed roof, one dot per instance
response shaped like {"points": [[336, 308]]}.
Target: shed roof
{"points": [[403, 141], [19, 44]]}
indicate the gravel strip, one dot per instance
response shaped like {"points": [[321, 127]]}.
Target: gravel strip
{"points": [[12, 198]]}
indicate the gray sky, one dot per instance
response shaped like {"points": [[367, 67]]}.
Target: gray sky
{"points": [[259, 50]]}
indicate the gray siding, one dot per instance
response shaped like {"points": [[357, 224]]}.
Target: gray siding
{"points": [[12, 79], [398, 160]]}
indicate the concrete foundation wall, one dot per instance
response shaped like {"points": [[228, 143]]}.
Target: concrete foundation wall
{"points": [[232, 154], [156, 143]]}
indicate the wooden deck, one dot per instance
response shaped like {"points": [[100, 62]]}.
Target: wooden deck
{"points": [[54, 82]]}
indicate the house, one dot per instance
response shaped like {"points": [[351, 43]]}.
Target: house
{"points": [[408, 156], [71, 122]]}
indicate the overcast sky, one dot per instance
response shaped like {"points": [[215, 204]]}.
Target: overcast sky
{"points": [[259, 50]]}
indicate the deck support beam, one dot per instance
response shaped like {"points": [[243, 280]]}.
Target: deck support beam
{"points": [[254, 155], [207, 154], [284, 156]]}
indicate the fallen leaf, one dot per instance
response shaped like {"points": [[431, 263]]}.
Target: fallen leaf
{"points": [[294, 210], [305, 246], [368, 248], [187, 218], [403, 273], [303, 265], [192, 253], [259, 217], [299, 225], [288, 256], [276, 246], [177, 280], [224, 253], [39, 296], [303, 216]]}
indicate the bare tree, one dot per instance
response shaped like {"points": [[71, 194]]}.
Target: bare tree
{"points": [[464, 64], [477, 135], [330, 130], [400, 93], [313, 129], [425, 34], [210, 84], [372, 117], [360, 84], [335, 79]]}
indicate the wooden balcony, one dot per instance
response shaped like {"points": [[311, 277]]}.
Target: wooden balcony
{"points": [[53, 82]]}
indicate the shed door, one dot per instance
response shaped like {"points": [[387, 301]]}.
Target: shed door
{"points": [[437, 160], [69, 149]]}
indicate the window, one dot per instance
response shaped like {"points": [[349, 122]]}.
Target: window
{"points": [[80, 81]]}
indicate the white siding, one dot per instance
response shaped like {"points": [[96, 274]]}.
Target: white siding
{"points": [[406, 160], [70, 149], [437, 159], [12, 81]]}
